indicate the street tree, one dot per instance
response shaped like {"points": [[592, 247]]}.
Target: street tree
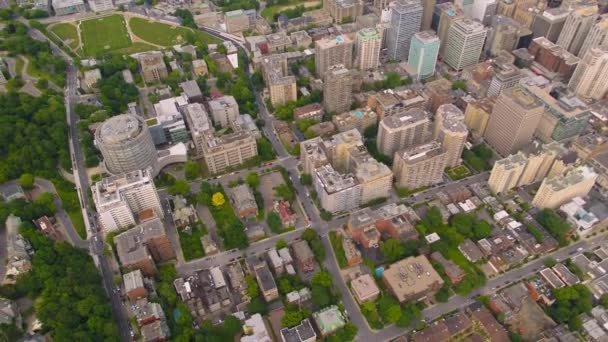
{"points": [[218, 199]]}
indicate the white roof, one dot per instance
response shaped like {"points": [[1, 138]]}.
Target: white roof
{"points": [[500, 215], [218, 277], [434, 237]]}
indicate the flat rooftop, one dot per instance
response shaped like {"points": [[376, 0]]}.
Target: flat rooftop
{"points": [[410, 277]]}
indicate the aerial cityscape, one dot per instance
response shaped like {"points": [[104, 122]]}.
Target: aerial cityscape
{"points": [[304, 170]]}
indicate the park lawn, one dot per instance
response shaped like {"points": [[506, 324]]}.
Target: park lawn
{"points": [[104, 35], [135, 48], [269, 12], [67, 32], [458, 172], [78, 222], [166, 35]]}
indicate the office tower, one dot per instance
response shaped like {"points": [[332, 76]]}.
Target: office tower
{"points": [[506, 173], [281, 86], [505, 76], [590, 79], [477, 115], [505, 35], [224, 110], [332, 51], [126, 145], [403, 130], [341, 9], [424, 50], [337, 89], [119, 199], [451, 132], [336, 191], [448, 15], [577, 28], [550, 23], [368, 45], [552, 57], [406, 17], [428, 6], [506, 8], [513, 121], [199, 124], [525, 15], [598, 36], [465, 42], [438, 92], [419, 166], [553, 192], [483, 10], [565, 116]]}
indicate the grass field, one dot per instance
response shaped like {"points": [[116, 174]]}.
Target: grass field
{"points": [[68, 33], [458, 172], [269, 12], [166, 35], [104, 35]]}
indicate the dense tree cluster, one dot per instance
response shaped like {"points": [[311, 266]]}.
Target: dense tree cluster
{"points": [[285, 112], [187, 18], [228, 5], [470, 227], [70, 300], [392, 80], [310, 235], [17, 42], [33, 135], [478, 157], [570, 302], [555, 225], [394, 249]]}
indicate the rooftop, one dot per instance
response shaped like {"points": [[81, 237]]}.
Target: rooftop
{"points": [[422, 152], [334, 181], [411, 276], [131, 245], [572, 177], [329, 42], [412, 116], [121, 128], [329, 320]]}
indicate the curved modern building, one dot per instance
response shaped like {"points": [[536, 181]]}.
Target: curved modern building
{"points": [[126, 145]]}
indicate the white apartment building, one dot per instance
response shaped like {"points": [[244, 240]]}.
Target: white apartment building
{"points": [[120, 198], [590, 78], [337, 192]]}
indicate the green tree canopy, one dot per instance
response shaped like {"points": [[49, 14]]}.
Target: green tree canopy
{"points": [[26, 181]]}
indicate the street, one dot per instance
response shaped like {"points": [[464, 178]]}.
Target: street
{"points": [[95, 244]]}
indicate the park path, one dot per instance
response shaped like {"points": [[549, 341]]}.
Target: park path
{"points": [[133, 36]]}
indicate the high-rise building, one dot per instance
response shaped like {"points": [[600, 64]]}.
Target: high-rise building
{"points": [[514, 119], [553, 58], [338, 149], [424, 50], [590, 79], [428, 6], [281, 85], [504, 35], [553, 192], [465, 43], [224, 110], [332, 51], [577, 28], [550, 23], [118, 199], [565, 116], [374, 178], [419, 166], [341, 9], [451, 132], [336, 191], [482, 10], [505, 76], [448, 15], [368, 45], [505, 7], [506, 173], [598, 36], [525, 168], [228, 150], [477, 115], [126, 145], [406, 17], [403, 130], [199, 124], [337, 89]]}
